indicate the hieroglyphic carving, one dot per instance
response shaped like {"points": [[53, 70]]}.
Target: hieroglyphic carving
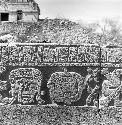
{"points": [[28, 55], [88, 54], [63, 54], [72, 54], [111, 54], [32, 55], [50, 54]]}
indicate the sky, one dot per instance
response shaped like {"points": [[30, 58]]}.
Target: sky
{"points": [[81, 10]]}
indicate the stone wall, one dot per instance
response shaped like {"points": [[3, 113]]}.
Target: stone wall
{"points": [[21, 63]]}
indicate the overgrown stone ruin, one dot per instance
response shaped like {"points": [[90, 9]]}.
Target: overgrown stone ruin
{"points": [[33, 87], [19, 10]]}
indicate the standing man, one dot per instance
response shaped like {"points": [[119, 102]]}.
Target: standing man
{"points": [[89, 82], [88, 79], [98, 78]]}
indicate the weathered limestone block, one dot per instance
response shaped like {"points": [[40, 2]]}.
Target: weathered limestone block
{"points": [[65, 87]]}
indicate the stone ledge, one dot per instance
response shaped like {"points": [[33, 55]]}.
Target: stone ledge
{"points": [[59, 115]]}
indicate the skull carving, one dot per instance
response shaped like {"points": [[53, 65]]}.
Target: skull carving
{"points": [[25, 84]]}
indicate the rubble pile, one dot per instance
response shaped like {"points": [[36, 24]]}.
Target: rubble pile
{"points": [[60, 31]]}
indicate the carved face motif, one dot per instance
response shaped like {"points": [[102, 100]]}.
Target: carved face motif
{"points": [[26, 90], [24, 84]]}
